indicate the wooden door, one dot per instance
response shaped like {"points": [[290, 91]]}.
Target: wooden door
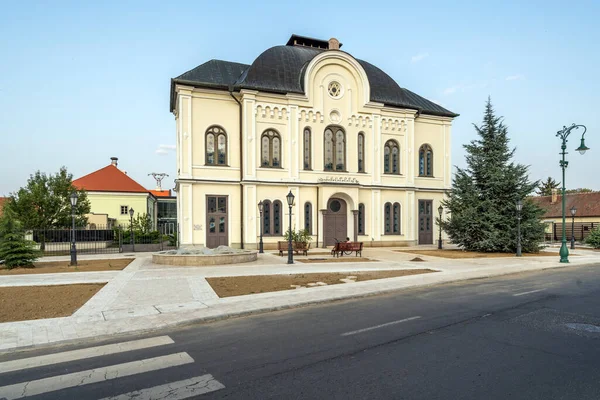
{"points": [[425, 221], [335, 221], [216, 222]]}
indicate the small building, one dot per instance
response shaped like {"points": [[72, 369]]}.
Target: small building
{"points": [[586, 217], [364, 157], [165, 211], [112, 193]]}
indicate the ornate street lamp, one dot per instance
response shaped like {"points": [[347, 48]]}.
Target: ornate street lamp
{"points": [[290, 201], [563, 135], [519, 207], [131, 242], [440, 211], [260, 244], [73, 199], [573, 212]]}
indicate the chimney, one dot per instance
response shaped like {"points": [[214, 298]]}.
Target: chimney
{"points": [[114, 161], [334, 44], [554, 196]]}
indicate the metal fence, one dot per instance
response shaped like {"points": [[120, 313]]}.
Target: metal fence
{"points": [[581, 231], [100, 240]]}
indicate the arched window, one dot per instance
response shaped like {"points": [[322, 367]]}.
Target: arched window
{"points": [[270, 149], [216, 146], [361, 152], [267, 218], [277, 218], [307, 149], [392, 218], [308, 217], [335, 149], [391, 157], [361, 219], [425, 160]]}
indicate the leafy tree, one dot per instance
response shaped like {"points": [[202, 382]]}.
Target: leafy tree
{"points": [[594, 238], [15, 250], [545, 187], [142, 223], [579, 190], [482, 200]]}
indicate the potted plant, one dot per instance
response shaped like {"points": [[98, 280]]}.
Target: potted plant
{"points": [[301, 240]]}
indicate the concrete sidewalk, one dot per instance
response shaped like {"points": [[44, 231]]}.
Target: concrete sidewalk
{"points": [[145, 296]]}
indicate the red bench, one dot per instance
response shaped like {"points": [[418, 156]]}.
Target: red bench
{"points": [[347, 248]]}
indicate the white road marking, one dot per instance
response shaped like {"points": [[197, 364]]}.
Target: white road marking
{"points": [[379, 326], [49, 359], [531, 291], [59, 382], [174, 390]]}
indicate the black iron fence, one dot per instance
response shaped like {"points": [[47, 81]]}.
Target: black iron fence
{"points": [[99, 240], [581, 230]]}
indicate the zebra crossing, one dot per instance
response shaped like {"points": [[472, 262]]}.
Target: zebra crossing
{"points": [[53, 385]]}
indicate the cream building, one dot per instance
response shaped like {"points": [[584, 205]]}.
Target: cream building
{"points": [[364, 158]]}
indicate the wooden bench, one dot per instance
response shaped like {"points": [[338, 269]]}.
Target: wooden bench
{"points": [[347, 248], [298, 247]]}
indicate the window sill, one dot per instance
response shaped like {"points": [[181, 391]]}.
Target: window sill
{"points": [[267, 167], [426, 176], [328, 170], [392, 174], [216, 165]]}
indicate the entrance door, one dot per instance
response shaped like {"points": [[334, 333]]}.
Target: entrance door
{"points": [[335, 221], [216, 221], [425, 222]]}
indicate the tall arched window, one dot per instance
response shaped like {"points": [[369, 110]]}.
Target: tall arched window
{"points": [[335, 149], [425, 160], [308, 217], [267, 218], [277, 218], [361, 152], [307, 149], [216, 146], [270, 149], [272, 218], [391, 157], [392, 218], [361, 219]]}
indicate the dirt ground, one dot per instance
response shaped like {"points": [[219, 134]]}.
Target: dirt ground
{"points": [[332, 260], [454, 253], [21, 303], [228, 286], [63, 266]]}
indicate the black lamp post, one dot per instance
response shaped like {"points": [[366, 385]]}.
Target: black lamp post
{"points": [[440, 211], [73, 247], [131, 241], [290, 201], [519, 208], [573, 211], [260, 243], [564, 134]]}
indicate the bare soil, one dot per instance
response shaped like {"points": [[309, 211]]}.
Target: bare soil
{"points": [[22, 303], [228, 286], [332, 260], [454, 253], [41, 267]]}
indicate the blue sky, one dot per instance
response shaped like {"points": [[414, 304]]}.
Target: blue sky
{"points": [[83, 81]]}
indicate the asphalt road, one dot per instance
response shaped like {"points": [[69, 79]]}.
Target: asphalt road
{"points": [[526, 336]]}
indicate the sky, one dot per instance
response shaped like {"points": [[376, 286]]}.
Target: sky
{"points": [[81, 82]]}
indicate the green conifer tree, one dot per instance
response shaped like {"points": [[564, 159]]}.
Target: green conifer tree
{"points": [[482, 200], [15, 250]]}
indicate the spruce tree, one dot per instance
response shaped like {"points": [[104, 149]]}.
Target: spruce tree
{"points": [[545, 187], [15, 250], [482, 200]]}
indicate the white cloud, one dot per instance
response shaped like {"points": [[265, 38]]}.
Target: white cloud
{"points": [[464, 87], [516, 77], [419, 57], [164, 149], [451, 90]]}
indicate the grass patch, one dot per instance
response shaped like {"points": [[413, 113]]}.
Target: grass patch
{"points": [[228, 286], [54, 267], [332, 260], [455, 253], [22, 303]]}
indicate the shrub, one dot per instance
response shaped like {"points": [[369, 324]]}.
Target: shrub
{"points": [[594, 238], [15, 250]]}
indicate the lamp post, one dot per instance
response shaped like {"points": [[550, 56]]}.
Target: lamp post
{"points": [[519, 208], [290, 201], [573, 211], [260, 243], [440, 211], [73, 199], [131, 241], [563, 135]]}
